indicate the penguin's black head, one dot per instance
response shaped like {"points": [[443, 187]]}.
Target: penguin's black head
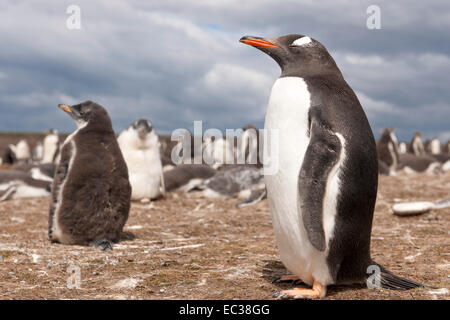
{"points": [[143, 127], [296, 54], [90, 113]]}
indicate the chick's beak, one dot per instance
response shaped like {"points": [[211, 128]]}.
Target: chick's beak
{"points": [[65, 108]]}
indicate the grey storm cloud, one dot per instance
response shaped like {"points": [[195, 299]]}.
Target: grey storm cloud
{"points": [[179, 61]]}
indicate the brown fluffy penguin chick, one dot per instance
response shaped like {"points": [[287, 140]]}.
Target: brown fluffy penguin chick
{"points": [[91, 191]]}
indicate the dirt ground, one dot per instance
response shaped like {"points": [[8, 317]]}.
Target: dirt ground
{"points": [[195, 248]]}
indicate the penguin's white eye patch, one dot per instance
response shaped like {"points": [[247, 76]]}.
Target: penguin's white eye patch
{"points": [[301, 42]]}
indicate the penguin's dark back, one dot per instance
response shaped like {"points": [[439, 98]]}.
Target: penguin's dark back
{"points": [[341, 110]]}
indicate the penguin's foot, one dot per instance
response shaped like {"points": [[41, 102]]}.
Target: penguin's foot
{"points": [[318, 291], [104, 244], [288, 278]]}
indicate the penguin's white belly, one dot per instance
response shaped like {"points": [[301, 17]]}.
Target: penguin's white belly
{"points": [[23, 151], [288, 112], [49, 149], [144, 170]]}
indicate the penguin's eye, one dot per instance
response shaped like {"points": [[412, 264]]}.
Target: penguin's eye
{"points": [[301, 42]]}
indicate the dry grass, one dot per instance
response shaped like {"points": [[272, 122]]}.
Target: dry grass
{"points": [[194, 248]]}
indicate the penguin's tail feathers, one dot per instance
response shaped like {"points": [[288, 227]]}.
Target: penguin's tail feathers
{"points": [[388, 280]]}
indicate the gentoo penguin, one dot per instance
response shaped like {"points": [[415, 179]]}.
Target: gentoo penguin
{"points": [[446, 148], [50, 146], [218, 152], [435, 150], [387, 150], [248, 150], [443, 159], [186, 177], [410, 164], [16, 153], [140, 148], [22, 150], [9, 156], [38, 152], [402, 148], [167, 147], [433, 146], [90, 192], [416, 146], [39, 171], [15, 184], [243, 181], [322, 196]]}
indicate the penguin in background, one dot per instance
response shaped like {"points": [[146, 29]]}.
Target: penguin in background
{"points": [[387, 150], [39, 171], [90, 192], [242, 181], [219, 151], [38, 152], [186, 177], [388, 154], [446, 148], [16, 153], [402, 148], [16, 184], [416, 146], [22, 150], [433, 146], [50, 146], [9, 156], [250, 145], [141, 150], [322, 195]]}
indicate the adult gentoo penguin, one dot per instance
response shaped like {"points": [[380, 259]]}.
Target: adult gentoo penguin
{"points": [[140, 148], [387, 150], [416, 146], [90, 191], [323, 195]]}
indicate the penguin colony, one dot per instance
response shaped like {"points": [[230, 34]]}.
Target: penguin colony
{"points": [[321, 198]]}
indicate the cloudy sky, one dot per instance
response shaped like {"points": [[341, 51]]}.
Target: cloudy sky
{"points": [[174, 62]]}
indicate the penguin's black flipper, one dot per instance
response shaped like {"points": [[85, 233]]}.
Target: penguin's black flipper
{"points": [[321, 156]]}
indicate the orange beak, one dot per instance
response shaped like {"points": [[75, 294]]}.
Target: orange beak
{"points": [[256, 42], [65, 108]]}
